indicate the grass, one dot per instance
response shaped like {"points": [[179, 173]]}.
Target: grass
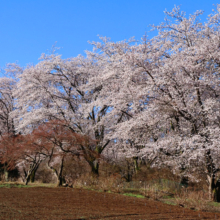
{"points": [[19, 185], [134, 195], [169, 202], [215, 204], [37, 184], [131, 190], [9, 185], [191, 199], [167, 197]]}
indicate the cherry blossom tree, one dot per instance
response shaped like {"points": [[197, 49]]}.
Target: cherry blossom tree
{"points": [[51, 91], [7, 102], [186, 100], [157, 98], [7, 126], [167, 89]]}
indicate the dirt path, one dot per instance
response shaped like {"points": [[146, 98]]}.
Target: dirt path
{"points": [[68, 204]]}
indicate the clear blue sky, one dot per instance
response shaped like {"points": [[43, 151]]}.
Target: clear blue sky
{"points": [[30, 27]]}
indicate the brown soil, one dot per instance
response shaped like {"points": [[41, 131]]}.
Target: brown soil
{"points": [[66, 204]]}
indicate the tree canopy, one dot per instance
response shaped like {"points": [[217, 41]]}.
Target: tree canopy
{"points": [[156, 98]]}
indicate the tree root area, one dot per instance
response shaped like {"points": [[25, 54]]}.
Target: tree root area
{"points": [[69, 204]]}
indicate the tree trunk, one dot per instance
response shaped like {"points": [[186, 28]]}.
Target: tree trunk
{"points": [[214, 184], [129, 172], [214, 189], [27, 179], [217, 193], [210, 182], [95, 167], [60, 179], [214, 194], [5, 175], [32, 175], [136, 167], [129, 177]]}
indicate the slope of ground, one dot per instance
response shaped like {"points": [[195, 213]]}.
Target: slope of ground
{"points": [[69, 204]]}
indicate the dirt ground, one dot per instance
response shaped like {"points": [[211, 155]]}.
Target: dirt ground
{"points": [[68, 204]]}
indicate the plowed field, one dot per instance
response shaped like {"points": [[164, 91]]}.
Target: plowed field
{"points": [[66, 203]]}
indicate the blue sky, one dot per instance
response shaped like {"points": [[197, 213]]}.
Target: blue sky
{"points": [[30, 27]]}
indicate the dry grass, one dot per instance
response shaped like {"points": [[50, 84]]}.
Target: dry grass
{"points": [[112, 184], [192, 199], [163, 190]]}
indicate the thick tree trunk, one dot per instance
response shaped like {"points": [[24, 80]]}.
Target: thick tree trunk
{"points": [[214, 184], [214, 189], [91, 156], [33, 173], [60, 181], [32, 177], [217, 194]]}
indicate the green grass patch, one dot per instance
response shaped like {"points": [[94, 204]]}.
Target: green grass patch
{"points": [[9, 185], [18, 185], [5, 186], [131, 189], [50, 185], [215, 204], [134, 195], [167, 197], [169, 202]]}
